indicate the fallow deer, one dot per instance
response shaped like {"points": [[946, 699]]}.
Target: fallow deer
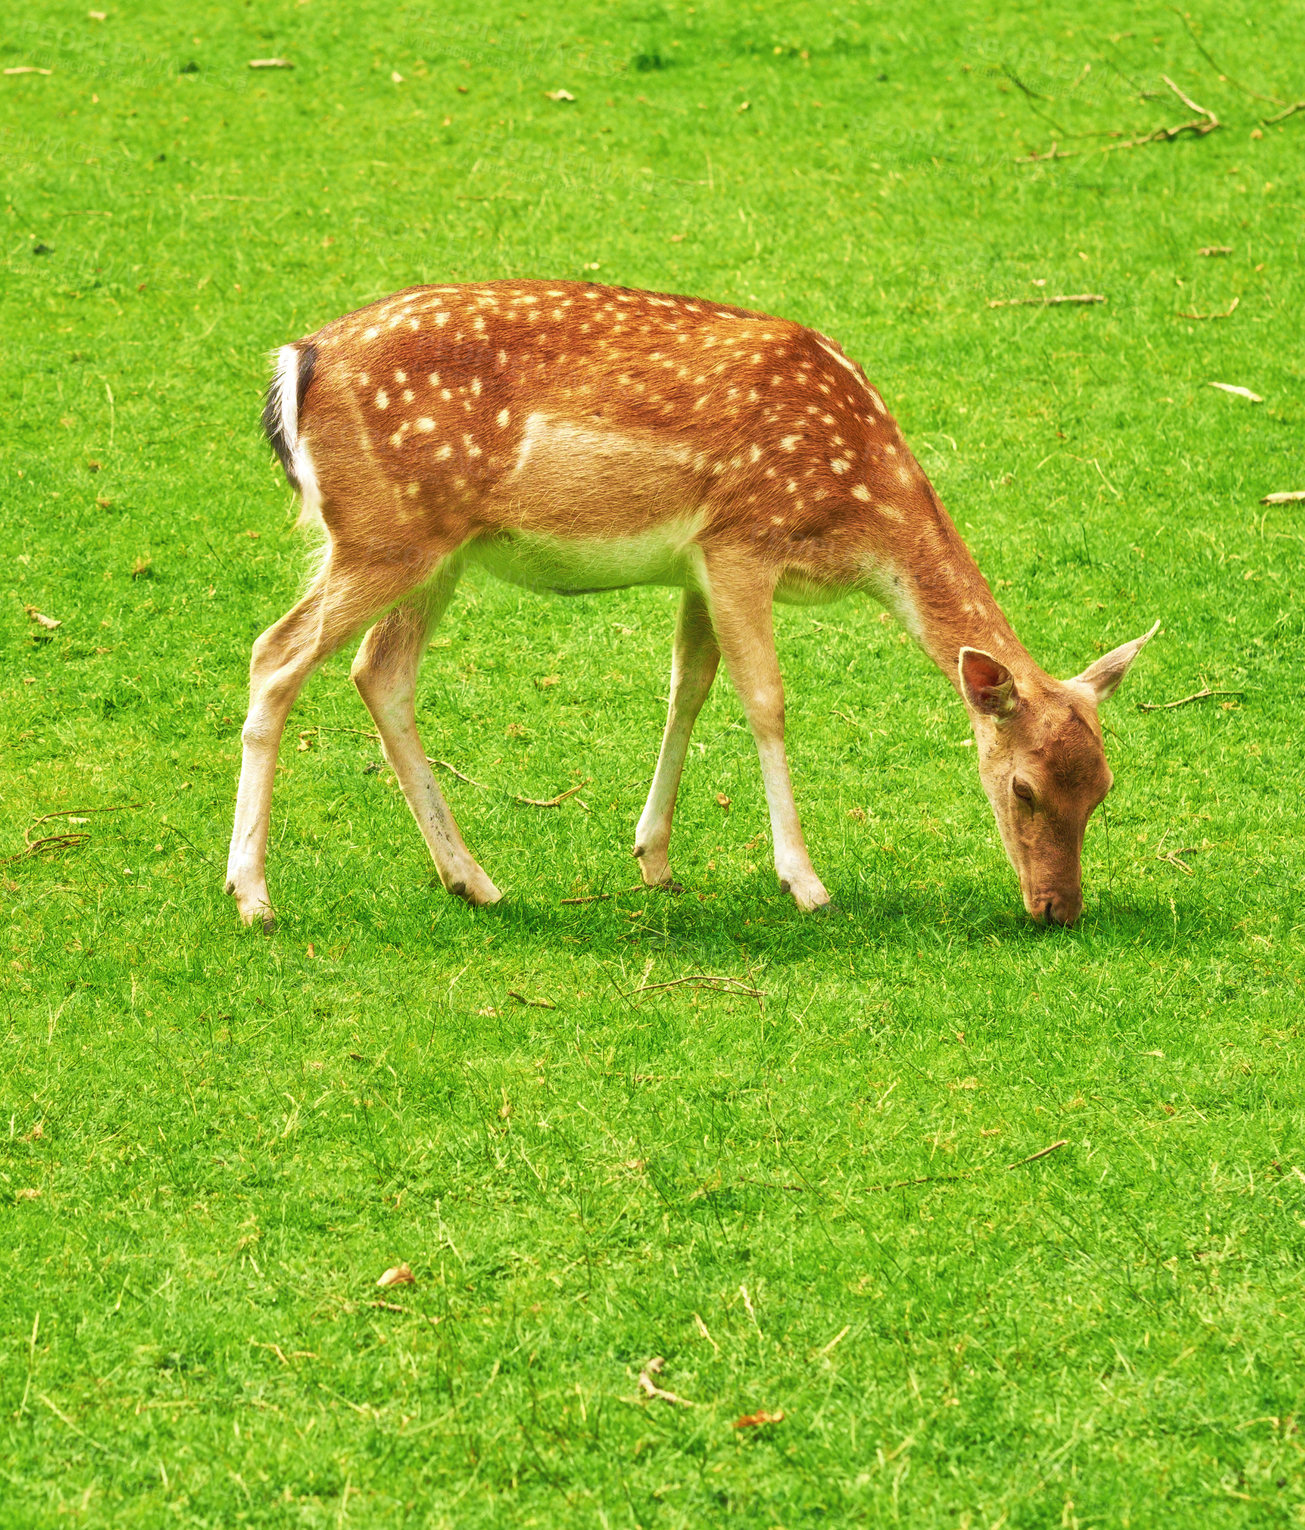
{"points": [[577, 437]]}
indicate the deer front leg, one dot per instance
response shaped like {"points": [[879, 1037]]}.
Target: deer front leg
{"points": [[385, 672], [694, 658], [740, 595]]}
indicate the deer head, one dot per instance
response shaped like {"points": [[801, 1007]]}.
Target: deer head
{"points": [[1043, 765]]}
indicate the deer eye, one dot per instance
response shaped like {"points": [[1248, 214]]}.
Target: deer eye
{"points": [[1023, 791]]}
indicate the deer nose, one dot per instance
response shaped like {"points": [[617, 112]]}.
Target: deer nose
{"points": [[1061, 909]]}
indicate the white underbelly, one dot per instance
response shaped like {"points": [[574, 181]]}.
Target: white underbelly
{"points": [[664, 554]]}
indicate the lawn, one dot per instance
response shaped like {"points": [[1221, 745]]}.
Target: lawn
{"points": [[1007, 1223]]}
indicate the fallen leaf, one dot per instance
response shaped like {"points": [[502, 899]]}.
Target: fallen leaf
{"points": [[1245, 393], [678, 238], [141, 569], [305, 743], [98, 15], [27, 1195], [270, 63], [398, 1275], [723, 800], [753, 1420], [396, 77], [1215, 249], [1288, 497], [966, 1083], [28, 69], [545, 681], [41, 619], [744, 107], [559, 95]]}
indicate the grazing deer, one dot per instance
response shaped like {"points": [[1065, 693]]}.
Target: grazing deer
{"points": [[574, 438]]}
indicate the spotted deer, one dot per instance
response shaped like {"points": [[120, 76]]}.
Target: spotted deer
{"points": [[577, 437]]}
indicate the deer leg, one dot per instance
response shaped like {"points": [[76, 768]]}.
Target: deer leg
{"points": [[385, 672], [694, 658], [741, 596], [336, 605]]}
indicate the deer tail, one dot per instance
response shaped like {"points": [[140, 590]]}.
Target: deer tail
{"points": [[282, 411]]}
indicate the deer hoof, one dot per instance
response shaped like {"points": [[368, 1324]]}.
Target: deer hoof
{"points": [[476, 891]]}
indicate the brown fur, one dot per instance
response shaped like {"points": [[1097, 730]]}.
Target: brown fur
{"points": [[452, 422]]}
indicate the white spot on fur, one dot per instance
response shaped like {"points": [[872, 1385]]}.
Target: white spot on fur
{"points": [[789, 443], [859, 491], [382, 399], [503, 417], [425, 424]]}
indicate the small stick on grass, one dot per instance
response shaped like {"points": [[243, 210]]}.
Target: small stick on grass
{"points": [[698, 980], [530, 1003], [454, 771], [650, 1389], [69, 841], [1167, 706], [1046, 302], [551, 801], [1042, 1153], [1288, 497], [330, 728], [1204, 122], [1231, 309], [1296, 106], [602, 897]]}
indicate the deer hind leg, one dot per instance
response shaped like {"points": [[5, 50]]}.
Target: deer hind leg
{"points": [[385, 672], [337, 604], [741, 595], [694, 658]]}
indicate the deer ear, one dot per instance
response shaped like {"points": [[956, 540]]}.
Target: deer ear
{"points": [[989, 687], [1104, 675]]}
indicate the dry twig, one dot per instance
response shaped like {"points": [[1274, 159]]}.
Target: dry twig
{"points": [[53, 842], [651, 1390], [698, 980], [1238, 391], [1232, 309], [454, 771], [530, 1003], [1167, 706], [1046, 302], [1174, 856], [1289, 497], [550, 801], [603, 897], [1204, 122]]}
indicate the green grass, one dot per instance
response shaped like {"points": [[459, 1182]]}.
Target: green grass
{"points": [[801, 1202]]}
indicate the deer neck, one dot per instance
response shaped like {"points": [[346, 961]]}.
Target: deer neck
{"points": [[934, 587]]}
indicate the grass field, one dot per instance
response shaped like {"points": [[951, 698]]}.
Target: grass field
{"points": [[215, 1142]]}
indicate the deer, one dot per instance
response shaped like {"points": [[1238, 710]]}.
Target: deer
{"points": [[578, 437]]}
